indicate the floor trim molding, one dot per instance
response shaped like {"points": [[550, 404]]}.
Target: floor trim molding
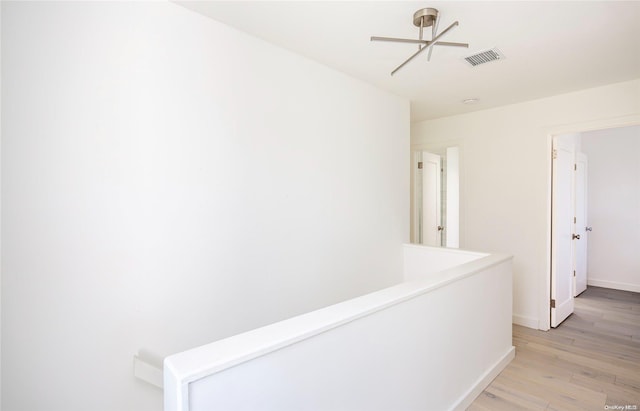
{"points": [[528, 322], [614, 285], [484, 381]]}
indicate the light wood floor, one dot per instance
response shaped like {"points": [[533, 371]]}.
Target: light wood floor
{"points": [[590, 361]]}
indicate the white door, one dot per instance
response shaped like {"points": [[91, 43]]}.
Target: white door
{"points": [[580, 229], [561, 232], [431, 201]]}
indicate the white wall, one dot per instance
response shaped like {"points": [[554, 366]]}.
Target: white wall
{"points": [[614, 207], [388, 350], [168, 181], [505, 162]]}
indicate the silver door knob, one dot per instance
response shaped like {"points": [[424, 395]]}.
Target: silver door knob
{"points": [[575, 237], [588, 228]]}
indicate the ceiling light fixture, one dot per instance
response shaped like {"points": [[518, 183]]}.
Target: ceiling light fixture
{"points": [[423, 18], [470, 101]]}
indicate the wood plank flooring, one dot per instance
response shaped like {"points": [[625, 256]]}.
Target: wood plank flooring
{"points": [[590, 362]]}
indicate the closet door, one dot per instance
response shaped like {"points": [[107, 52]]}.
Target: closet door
{"points": [[562, 235], [431, 199]]}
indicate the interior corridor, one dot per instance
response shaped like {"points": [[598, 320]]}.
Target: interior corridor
{"points": [[590, 362]]}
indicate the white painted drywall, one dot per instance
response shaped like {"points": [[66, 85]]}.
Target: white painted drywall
{"points": [[505, 163], [423, 261], [168, 181], [389, 350], [613, 207]]}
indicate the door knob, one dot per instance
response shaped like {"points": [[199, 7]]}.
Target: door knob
{"points": [[575, 236], [588, 228], [440, 228]]}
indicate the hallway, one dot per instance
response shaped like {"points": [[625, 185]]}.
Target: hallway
{"points": [[591, 362]]}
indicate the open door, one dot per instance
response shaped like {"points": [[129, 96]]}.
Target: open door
{"points": [[431, 201], [562, 225], [580, 230]]}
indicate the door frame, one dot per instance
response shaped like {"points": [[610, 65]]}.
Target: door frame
{"points": [[581, 223], [544, 316]]}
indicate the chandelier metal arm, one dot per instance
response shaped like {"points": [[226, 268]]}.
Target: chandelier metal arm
{"points": [[397, 40], [448, 43], [434, 30]]}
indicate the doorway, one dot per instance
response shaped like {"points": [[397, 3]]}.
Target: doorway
{"points": [[436, 197], [608, 221], [614, 204]]}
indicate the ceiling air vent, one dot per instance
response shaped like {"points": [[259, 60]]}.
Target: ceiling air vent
{"points": [[484, 57]]}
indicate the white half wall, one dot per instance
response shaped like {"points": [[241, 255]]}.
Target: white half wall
{"points": [[168, 181], [392, 349], [505, 165], [614, 207]]}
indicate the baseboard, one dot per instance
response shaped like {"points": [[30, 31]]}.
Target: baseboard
{"points": [[614, 285], [484, 381], [528, 322]]}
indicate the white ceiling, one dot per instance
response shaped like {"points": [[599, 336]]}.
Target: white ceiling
{"points": [[551, 47]]}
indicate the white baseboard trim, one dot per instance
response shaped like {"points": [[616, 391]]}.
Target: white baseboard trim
{"points": [[528, 322], [484, 381], [614, 285]]}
